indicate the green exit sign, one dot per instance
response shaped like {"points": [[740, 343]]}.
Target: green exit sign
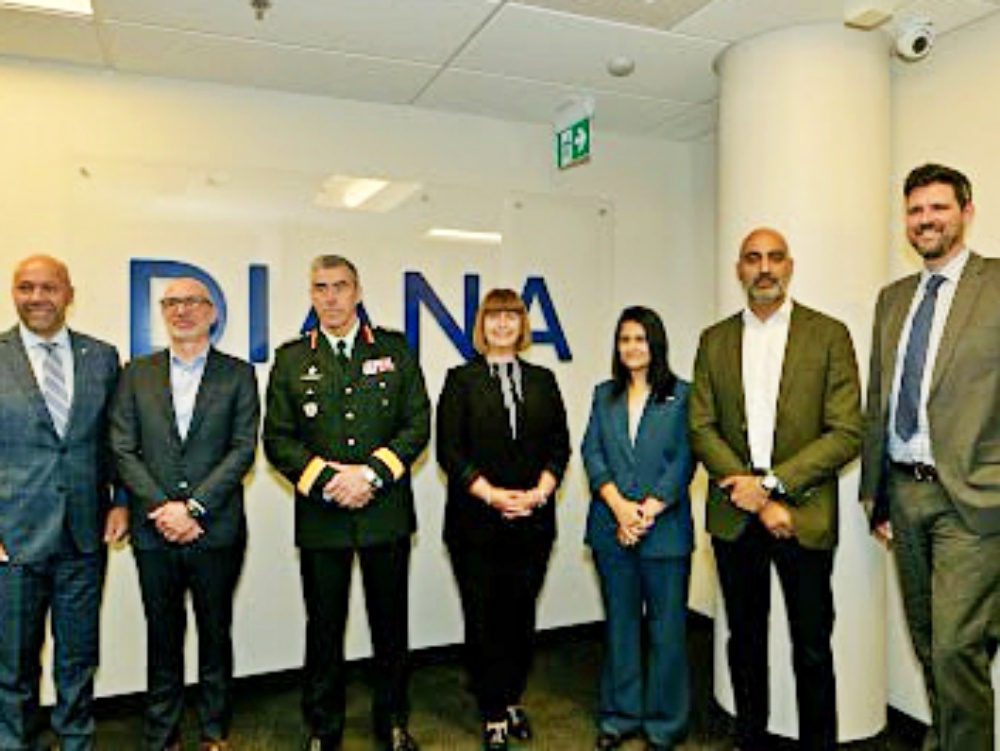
{"points": [[573, 144]]}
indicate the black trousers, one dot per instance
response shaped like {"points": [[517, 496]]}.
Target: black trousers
{"points": [[499, 585], [744, 567], [165, 577], [326, 587]]}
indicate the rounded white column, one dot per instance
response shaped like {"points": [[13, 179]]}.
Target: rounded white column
{"points": [[804, 127]]}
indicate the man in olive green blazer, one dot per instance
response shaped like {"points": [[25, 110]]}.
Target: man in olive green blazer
{"points": [[936, 493], [774, 415]]}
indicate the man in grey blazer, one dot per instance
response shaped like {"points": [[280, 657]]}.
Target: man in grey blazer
{"points": [[184, 430], [931, 461], [775, 413], [56, 508]]}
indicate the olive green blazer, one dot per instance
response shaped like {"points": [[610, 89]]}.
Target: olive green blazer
{"points": [[817, 429]]}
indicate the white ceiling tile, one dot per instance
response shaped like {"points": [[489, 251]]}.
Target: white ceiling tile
{"points": [[533, 101], [729, 20], [417, 30], [947, 15], [696, 122], [49, 36], [542, 45], [141, 49], [657, 14]]}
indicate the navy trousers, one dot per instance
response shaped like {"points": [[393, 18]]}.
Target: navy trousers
{"points": [[638, 590], [68, 586]]}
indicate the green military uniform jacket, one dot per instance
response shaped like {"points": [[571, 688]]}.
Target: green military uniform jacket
{"points": [[374, 412], [817, 428]]}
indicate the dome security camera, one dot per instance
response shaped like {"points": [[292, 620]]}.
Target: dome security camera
{"points": [[915, 39]]}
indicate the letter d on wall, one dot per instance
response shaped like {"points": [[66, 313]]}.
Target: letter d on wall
{"points": [[142, 271]]}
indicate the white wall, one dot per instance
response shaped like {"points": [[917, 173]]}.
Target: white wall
{"points": [[649, 203], [946, 109]]}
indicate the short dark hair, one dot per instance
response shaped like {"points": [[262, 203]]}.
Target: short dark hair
{"points": [[498, 300], [661, 378], [331, 261], [928, 174]]}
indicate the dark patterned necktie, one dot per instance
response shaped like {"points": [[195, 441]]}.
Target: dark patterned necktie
{"points": [[908, 404]]}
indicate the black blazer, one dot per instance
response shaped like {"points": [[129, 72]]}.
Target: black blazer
{"points": [[155, 464], [474, 439]]}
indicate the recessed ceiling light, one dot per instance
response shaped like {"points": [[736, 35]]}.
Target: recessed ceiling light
{"points": [[362, 189], [363, 193], [464, 235], [70, 7]]}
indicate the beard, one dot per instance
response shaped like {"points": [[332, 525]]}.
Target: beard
{"points": [[949, 237], [771, 294]]}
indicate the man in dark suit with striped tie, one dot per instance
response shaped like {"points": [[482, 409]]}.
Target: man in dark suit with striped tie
{"points": [[55, 506]]}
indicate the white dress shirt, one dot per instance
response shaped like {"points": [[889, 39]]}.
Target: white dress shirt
{"points": [[763, 357], [918, 448]]}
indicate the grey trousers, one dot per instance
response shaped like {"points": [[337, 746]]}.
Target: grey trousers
{"points": [[950, 580]]}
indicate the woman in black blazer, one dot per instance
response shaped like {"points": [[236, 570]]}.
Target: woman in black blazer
{"points": [[503, 442]]}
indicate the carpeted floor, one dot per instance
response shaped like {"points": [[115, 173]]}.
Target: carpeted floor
{"points": [[560, 698]]}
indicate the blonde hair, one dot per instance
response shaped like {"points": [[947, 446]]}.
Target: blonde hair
{"points": [[499, 300]]}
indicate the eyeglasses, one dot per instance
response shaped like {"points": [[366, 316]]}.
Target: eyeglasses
{"points": [[172, 303]]}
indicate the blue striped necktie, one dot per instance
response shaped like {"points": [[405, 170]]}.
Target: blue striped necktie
{"points": [[908, 404], [54, 387]]}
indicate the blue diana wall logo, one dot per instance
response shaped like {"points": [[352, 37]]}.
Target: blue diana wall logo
{"points": [[417, 293]]}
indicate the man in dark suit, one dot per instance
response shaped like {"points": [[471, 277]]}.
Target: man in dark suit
{"points": [[55, 506], [931, 461], [184, 430], [347, 415], [775, 413]]}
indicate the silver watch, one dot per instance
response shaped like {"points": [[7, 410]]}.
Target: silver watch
{"points": [[772, 485], [372, 477]]}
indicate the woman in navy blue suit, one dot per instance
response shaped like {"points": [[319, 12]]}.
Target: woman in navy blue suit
{"points": [[639, 529], [503, 442]]}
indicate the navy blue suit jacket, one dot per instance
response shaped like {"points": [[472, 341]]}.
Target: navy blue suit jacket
{"points": [[658, 465], [48, 483], [209, 464]]}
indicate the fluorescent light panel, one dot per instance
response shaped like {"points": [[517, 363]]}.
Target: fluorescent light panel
{"points": [[363, 193], [71, 7], [361, 190], [464, 235]]}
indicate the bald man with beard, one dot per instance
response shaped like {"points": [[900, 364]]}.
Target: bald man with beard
{"points": [[774, 415]]}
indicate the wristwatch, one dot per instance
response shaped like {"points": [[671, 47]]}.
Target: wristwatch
{"points": [[772, 485], [372, 476], [195, 508]]}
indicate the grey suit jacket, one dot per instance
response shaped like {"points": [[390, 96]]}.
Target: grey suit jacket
{"points": [[155, 464], [817, 427], [963, 403], [48, 483]]}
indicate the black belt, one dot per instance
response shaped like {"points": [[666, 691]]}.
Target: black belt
{"points": [[916, 471]]}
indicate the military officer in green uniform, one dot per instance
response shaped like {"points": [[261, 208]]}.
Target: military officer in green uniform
{"points": [[347, 415]]}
